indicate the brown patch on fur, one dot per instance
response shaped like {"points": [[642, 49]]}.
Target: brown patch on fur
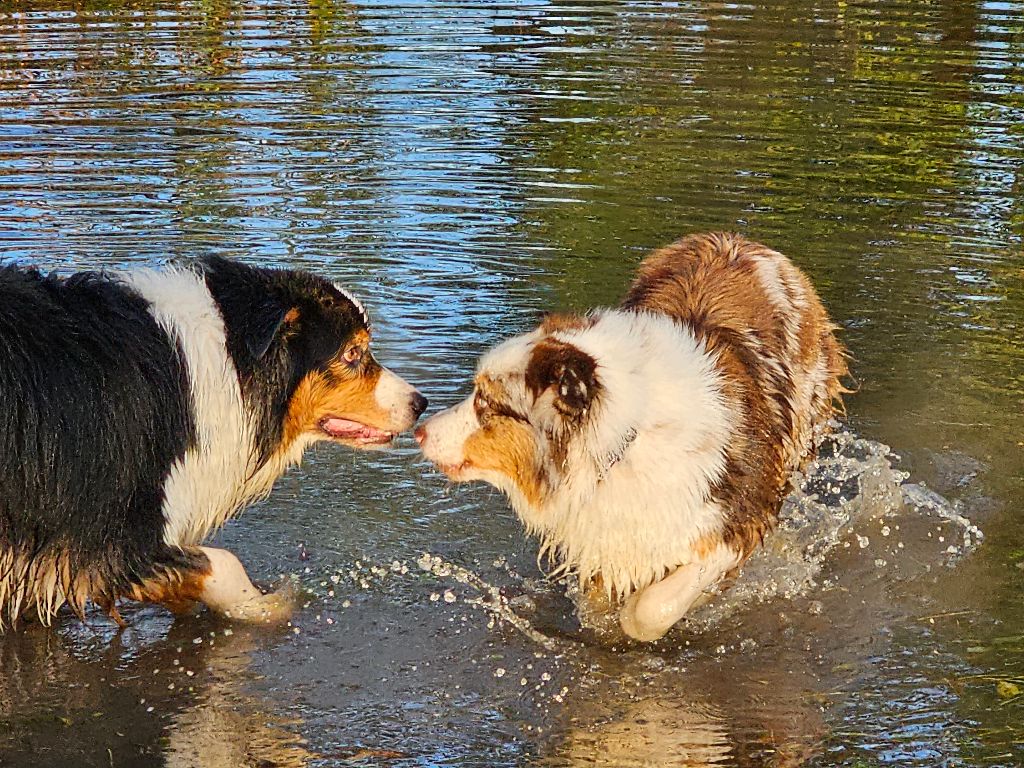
{"points": [[703, 547], [507, 446], [493, 389], [765, 353], [566, 368], [570, 373], [553, 322]]}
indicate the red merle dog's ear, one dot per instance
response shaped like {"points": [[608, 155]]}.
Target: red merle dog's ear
{"points": [[566, 370], [266, 323]]}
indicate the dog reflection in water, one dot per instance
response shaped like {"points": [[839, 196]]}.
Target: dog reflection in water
{"points": [[680, 732]]}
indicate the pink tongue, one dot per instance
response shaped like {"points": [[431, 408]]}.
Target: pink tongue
{"points": [[347, 428]]}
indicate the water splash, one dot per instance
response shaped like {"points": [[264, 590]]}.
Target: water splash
{"points": [[851, 497], [489, 598], [846, 495]]}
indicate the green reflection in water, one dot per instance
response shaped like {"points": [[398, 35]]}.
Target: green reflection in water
{"points": [[467, 166]]}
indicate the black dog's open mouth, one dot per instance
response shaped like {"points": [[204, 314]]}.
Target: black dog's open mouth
{"points": [[354, 431]]}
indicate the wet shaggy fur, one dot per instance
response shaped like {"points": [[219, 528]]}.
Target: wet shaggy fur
{"points": [[760, 319], [140, 410], [662, 433]]}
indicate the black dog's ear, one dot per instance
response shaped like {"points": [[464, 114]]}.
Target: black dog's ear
{"points": [[567, 370], [264, 325], [253, 311]]}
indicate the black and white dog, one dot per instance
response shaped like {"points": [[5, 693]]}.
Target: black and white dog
{"points": [[140, 410]]}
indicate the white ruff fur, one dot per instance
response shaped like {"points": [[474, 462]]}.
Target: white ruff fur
{"points": [[643, 518], [631, 518], [216, 477]]}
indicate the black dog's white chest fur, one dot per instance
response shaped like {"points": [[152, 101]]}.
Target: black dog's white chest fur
{"points": [[220, 471]]}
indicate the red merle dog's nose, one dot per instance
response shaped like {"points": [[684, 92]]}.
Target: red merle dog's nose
{"points": [[420, 434]]}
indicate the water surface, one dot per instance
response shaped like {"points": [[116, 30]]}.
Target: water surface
{"points": [[464, 167]]}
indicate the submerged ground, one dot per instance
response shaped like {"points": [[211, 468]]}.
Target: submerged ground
{"points": [[464, 167]]}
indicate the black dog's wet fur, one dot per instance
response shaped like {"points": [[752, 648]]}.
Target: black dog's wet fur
{"points": [[93, 412], [95, 409]]}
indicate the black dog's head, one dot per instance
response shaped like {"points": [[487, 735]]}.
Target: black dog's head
{"points": [[301, 345]]}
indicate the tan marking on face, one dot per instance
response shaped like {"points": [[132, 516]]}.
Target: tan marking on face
{"points": [[344, 393], [360, 338], [349, 396], [507, 446]]}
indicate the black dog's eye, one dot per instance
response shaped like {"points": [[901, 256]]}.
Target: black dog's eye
{"points": [[353, 354]]}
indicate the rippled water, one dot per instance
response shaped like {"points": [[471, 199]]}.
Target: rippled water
{"points": [[464, 167]]}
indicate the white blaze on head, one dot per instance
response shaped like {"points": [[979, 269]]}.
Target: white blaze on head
{"points": [[447, 434]]}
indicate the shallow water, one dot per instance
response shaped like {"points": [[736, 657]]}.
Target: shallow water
{"points": [[464, 167]]}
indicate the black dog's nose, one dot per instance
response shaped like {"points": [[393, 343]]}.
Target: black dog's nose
{"points": [[419, 404]]}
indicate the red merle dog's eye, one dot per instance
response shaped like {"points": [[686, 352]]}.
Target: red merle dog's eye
{"points": [[486, 410], [353, 354]]}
